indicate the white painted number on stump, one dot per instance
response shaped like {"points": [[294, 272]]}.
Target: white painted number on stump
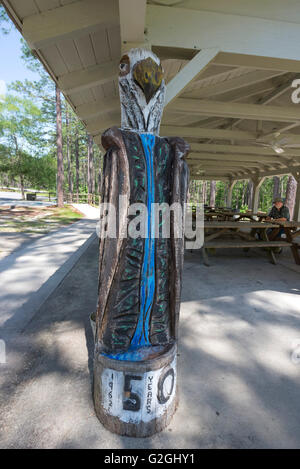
{"points": [[138, 397]]}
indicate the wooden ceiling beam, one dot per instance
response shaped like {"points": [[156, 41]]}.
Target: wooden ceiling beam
{"points": [[69, 21]]}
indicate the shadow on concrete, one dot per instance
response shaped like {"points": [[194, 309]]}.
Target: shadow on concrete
{"points": [[238, 385]]}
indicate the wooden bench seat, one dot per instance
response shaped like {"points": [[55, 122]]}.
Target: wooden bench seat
{"points": [[245, 244]]}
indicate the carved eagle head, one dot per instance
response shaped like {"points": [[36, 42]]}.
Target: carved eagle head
{"points": [[142, 91]]}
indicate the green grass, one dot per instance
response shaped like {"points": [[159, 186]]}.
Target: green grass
{"points": [[59, 217]]}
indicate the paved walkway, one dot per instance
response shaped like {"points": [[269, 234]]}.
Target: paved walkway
{"points": [[239, 388], [88, 210], [15, 198], [29, 274]]}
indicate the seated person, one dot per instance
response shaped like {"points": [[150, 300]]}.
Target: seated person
{"points": [[279, 212]]}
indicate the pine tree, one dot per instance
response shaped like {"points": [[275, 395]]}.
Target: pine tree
{"points": [[291, 189], [60, 160]]}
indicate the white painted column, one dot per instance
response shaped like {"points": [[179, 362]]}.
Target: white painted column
{"points": [[256, 188], [132, 26], [296, 216], [230, 190]]}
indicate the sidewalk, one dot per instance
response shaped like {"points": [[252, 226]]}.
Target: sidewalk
{"points": [[30, 274], [15, 198], [88, 211]]}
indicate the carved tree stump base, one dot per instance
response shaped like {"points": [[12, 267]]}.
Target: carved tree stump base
{"points": [[136, 399]]}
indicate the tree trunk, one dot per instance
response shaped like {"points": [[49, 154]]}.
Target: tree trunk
{"points": [[154, 408], [22, 186], [276, 187], [18, 154], [249, 194], [99, 177], [204, 192], [70, 179], [291, 189], [192, 190], [84, 175], [77, 164], [244, 193], [91, 179], [212, 196], [60, 160]]}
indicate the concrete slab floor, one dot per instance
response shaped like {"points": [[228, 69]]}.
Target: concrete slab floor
{"points": [[239, 387]]}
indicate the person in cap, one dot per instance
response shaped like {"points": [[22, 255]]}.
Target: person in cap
{"points": [[279, 211]]}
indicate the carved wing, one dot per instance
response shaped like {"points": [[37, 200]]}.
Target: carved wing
{"points": [[180, 186], [115, 183]]}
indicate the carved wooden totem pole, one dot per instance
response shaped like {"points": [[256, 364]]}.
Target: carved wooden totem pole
{"points": [[135, 389]]}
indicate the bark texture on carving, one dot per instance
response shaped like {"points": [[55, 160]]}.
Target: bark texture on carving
{"points": [[135, 379], [121, 260], [140, 277]]}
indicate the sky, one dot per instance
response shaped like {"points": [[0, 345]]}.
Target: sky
{"points": [[12, 66]]}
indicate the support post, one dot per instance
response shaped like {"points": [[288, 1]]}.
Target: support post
{"points": [[296, 215], [230, 190], [257, 182], [132, 25]]}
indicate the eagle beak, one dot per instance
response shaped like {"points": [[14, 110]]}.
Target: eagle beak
{"points": [[148, 76]]}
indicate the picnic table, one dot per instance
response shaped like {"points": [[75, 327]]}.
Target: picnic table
{"points": [[221, 215], [291, 230], [259, 216], [234, 236], [229, 214]]}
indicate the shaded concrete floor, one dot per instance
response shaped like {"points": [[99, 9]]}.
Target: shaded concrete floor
{"points": [[240, 319]]}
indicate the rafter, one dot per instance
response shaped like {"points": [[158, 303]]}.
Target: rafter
{"points": [[98, 125], [242, 149], [178, 27], [258, 62], [225, 164], [97, 108], [219, 176], [273, 95], [190, 72], [242, 93], [89, 77], [69, 21], [292, 138], [276, 172], [203, 132], [238, 110], [238, 157], [235, 84]]}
